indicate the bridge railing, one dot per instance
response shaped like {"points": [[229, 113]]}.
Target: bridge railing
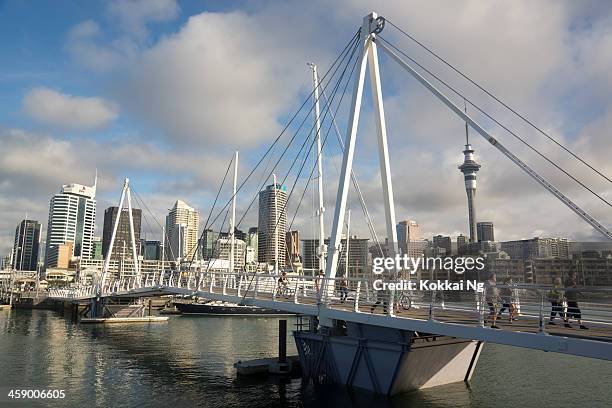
{"points": [[530, 303]]}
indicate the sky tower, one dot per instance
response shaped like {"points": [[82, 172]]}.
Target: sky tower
{"points": [[469, 168]]}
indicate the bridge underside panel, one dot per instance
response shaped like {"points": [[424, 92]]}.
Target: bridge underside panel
{"points": [[385, 361], [439, 362]]}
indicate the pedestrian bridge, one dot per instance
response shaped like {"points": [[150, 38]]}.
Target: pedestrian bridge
{"points": [[457, 314]]}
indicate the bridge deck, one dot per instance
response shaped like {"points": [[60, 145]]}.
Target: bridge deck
{"points": [[527, 324], [460, 318]]}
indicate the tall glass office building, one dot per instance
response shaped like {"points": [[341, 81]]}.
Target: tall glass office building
{"points": [[72, 215]]}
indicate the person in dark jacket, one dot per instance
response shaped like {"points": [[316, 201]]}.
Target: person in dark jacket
{"points": [[555, 297], [573, 310]]}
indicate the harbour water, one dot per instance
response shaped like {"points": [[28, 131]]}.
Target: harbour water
{"points": [[188, 361]]}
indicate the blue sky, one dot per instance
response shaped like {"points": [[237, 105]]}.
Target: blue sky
{"points": [[164, 92]]}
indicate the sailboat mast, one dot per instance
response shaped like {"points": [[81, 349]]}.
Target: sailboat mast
{"points": [[233, 219], [321, 210]]}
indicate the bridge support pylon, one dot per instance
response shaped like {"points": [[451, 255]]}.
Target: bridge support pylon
{"points": [[384, 360]]}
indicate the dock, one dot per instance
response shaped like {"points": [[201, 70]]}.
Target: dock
{"points": [[106, 320], [281, 365], [263, 366]]}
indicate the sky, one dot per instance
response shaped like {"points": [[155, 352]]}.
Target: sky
{"points": [[164, 92]]}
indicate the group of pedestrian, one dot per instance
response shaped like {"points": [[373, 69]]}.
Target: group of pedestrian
{"points": [[507, 296], [568, 293]]}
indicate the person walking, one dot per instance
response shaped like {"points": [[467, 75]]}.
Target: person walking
{"points": [[507, 298], [555, 297], [573, 310], [343, 289], [492, 298]]}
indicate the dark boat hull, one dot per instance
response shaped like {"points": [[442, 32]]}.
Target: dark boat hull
{"points": [[218, 310]]}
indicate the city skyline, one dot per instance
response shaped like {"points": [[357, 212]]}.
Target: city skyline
{"points": [[71, 106]]}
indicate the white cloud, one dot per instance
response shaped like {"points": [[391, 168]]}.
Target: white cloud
{"points": [[221, 80], [133, 15], [65, 111]]}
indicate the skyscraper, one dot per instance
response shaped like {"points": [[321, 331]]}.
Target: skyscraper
{"points": [[72, 215], [461, 241], [485, 231], [207, 244], [272, 225], [469, 168], [26, 246], [408, 232], [182, 231], [122, 247]]}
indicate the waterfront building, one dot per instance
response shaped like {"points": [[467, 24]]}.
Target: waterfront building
{"points": [[182, 231], [272, 225], [485, 231], [207, 244], [537, 248], [96, 252], [60, 256], [250, 255], [461, 243], [239, 234], [358, 256], [223, 246], [26, 246], [72, 215], [409, 238], [440, 241], [252, 243], [151, 250], [122, 247]]}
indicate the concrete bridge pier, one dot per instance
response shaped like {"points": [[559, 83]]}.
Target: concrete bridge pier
{"points": [[384, 360]]}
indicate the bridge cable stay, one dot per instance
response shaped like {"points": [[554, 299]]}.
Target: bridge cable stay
{"points": [[481, 110], [340, 58], [310, 134], [485, 134], [322, 85], [331, 71], [335, 64], [310, 177], [286, 149], [490, 94], [193, 252], [327, 109], [144, 204]]}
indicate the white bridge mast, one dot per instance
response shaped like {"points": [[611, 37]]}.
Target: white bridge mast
{"points": [[367, 55], [125, 193]]}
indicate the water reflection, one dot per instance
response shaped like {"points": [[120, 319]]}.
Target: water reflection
{"points": [[189, 361]]}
